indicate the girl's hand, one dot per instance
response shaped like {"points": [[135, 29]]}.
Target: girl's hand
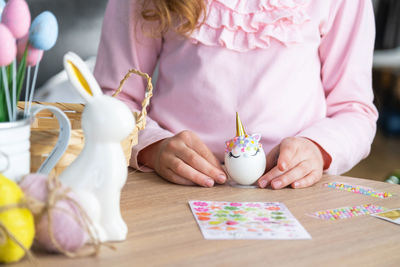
{"points": [[297, 161], [183, 159]]}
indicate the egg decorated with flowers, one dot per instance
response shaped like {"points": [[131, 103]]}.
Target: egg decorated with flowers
{"points": [[244, 156]]}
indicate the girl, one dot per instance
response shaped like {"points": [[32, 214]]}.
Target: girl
{"points": [[297, 71]]}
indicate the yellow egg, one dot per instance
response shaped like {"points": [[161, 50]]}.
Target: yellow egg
{"points": [[18, 221]]}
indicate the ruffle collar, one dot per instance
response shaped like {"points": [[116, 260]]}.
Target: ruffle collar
{"points": [[243, 25]]}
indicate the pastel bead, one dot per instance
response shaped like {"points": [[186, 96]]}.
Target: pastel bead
{"points": [[43, 33], [8, 48], [16, 17]]}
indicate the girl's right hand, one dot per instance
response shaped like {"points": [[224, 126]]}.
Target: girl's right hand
{"points": [[183, 159]]}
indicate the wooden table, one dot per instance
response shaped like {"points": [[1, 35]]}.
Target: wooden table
{"points": [[163, 231]]}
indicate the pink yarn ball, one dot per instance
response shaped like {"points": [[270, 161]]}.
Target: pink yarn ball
{"points": [[67, 231], [34, 55], [8, 48], [16, 17]]}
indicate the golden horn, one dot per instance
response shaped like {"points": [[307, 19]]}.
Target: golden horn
{"points": [[239, 126]]}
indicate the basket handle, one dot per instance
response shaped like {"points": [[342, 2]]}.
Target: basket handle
{"points": [[63, 137], [141, 118]]}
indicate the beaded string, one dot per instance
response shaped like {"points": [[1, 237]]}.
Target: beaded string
{"points": [[358, 190], [347, 212]]}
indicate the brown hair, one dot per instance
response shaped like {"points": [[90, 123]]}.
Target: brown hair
{"points": [[182, 16]]}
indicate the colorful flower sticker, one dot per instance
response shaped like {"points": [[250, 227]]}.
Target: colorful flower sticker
{"points": [[246, 220], [200, 203]]}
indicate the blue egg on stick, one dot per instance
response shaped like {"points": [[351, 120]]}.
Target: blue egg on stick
{"points": [[43, 33], [2, 5]]}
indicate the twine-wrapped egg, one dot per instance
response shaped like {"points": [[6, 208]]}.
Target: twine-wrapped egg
{"points": [[15, 222], [67, 227]]}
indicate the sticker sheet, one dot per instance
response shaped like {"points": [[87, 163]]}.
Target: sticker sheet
{"points": [[347, 212], [358, 189], [389, 215], [246, 220]]}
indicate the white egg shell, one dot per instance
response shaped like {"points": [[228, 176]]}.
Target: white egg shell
{"points": [[246, 170]]}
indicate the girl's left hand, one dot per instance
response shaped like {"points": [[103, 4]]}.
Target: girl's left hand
{"points": [[296, 161]]}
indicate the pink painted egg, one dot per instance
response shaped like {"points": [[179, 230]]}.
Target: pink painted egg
{"points": [[66, 229], [8, 48], [34, 55], [17, 18], [21, 45]]}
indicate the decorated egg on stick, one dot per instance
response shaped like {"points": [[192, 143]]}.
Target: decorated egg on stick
{"points": [[33, 56], [17, 17], [244, 156], [2, 5]]}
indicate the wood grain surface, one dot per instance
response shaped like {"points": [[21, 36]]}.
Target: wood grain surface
{"points": [[163, 231]]}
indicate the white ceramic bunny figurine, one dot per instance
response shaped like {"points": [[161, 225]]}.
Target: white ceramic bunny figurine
{"points": [[99, 172]]}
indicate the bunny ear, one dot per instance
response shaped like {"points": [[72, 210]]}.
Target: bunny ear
{"points": [[81, 77], [256, 136]]}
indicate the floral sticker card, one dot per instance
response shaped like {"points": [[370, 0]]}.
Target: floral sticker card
{"points": [[246, 220]]}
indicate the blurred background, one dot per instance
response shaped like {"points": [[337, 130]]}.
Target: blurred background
{"points": [[80, 26]]}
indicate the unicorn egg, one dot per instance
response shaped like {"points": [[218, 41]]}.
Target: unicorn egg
{"points": [[244, 156]]}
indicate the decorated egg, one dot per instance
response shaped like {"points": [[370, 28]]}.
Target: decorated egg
{"points": [[2, 5], [16, 17], [15, 222], [34, 55], [66, 225], [8, 48], [43, 33], [244, 156]]}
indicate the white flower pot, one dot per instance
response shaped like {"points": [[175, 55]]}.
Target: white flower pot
{"points": [[15, 144]]}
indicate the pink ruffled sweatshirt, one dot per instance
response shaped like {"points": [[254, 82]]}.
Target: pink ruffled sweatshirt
{"points": [[289, 67]]}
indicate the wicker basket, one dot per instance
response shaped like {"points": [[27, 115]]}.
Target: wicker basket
{"points": [[44, 129]]}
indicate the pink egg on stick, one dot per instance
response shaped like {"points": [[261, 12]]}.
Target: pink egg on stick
{"points": [[17, 18], [8, 52], [34, 56]]}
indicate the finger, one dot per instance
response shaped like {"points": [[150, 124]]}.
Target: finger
{"points": [[195, 143], [197, 162], [272, 158], [269, 176], [296, 173], [308, 180], [175, 178], [288, 157], [182, 169]]}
